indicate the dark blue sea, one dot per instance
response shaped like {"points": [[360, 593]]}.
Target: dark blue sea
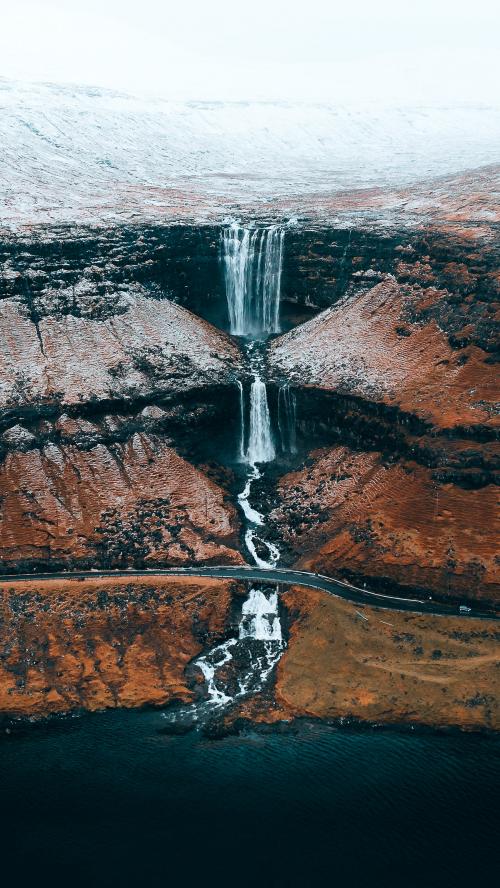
{"points": [[108, 799]]}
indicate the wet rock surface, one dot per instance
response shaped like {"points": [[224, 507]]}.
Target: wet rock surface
{"points": [[93, 271]]}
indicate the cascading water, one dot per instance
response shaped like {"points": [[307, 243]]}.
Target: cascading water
{"points": [[260, 442], [252, 655], [240, 666], [253, 260], [259, 449], [241, 453], [287, 419], [260, 618]]}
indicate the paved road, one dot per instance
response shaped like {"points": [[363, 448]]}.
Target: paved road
{"points": [[274, 575]]}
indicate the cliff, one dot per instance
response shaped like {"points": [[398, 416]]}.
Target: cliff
{"points": [[99, 387], [365, 517], [77, 346], [129, 504], [397, 381], [399, 366], [385, 345], [94, 644]]}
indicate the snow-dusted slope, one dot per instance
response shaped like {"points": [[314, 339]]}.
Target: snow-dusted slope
{"points": [[139, 348], [82, 154]]}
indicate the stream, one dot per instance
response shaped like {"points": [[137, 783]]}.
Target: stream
{"points": [[241, 665]]}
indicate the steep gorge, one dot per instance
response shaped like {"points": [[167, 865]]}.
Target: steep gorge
{"points": [[390, 358], [348, 427]]}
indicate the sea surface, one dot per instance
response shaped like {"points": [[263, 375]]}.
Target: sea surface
{"points": [[109, 799]]}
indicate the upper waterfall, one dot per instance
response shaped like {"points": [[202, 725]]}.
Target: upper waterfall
{"points": [[253, 260]]}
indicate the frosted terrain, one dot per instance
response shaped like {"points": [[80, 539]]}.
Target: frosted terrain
{"points": [[89, 155]]}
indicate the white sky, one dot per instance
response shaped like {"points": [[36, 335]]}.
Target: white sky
{"points": [[354, 50]]}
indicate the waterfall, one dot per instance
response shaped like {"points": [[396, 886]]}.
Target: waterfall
{"points": [[251, 656], [209, 664], [260, 442], [240, 666], [259, 617], [253, 259], [242, 421], [260, 450], [287, 419]]}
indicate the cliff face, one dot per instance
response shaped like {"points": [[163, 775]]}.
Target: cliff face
{"points": [[79, 347], [365, 517], [86, 270], [129, 504], [385, 345], [107, 386], [94, 644], [100, 385], [398, 379]]}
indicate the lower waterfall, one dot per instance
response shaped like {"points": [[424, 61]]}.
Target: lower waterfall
{"points": [[260, 449], [260, 442], [242, 421], [287, 419], [260, 641], [252, 655], [241, 665], [260, 618]]}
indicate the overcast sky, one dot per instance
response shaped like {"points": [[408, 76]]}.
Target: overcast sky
{"points": [[354, 50]]}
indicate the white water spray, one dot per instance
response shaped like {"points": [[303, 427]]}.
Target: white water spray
{"points": [[257, 649], [260, 618], [260, 643], [253, 261], [260, 441], [209, 665], [260, 450]]}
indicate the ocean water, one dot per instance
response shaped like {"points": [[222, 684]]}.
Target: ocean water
{"points": [[108, 799]]}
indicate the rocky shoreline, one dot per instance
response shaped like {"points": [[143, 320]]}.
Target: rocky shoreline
{"points": [[103, 643]]}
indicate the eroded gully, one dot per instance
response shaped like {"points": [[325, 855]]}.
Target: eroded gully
{"points": [[240, 666]]}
